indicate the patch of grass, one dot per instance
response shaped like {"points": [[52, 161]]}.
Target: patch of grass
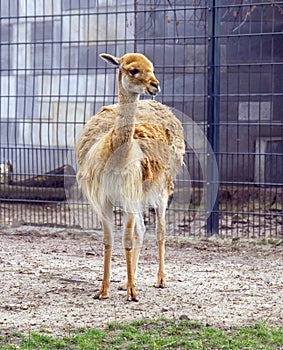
{"points": [[153, 334]]}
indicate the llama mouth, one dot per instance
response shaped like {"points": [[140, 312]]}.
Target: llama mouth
{"points": [[152, 93]]}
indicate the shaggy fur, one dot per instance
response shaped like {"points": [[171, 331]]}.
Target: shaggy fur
{"points": [[157, 154]]}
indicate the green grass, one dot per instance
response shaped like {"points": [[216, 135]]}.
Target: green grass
{"points": [[149, 334]]}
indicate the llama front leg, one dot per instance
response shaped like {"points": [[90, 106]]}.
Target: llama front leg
{"points": [[103, 291], [108, 242], [139, 232], [160, 235], [161, 276], [128, 245]]}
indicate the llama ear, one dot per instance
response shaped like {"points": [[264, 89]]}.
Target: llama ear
{"points": [[112, 60]]}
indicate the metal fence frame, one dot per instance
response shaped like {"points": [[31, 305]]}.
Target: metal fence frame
{"points": [[52, 81]]}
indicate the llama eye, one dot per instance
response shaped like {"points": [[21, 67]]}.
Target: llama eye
{"points": [[134, 71]]}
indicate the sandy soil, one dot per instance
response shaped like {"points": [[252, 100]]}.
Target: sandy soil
{"points": [[49, 276]]}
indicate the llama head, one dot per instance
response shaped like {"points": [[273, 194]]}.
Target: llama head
{"points": [[136, 73]]}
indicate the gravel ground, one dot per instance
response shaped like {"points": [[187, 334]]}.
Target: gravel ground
{"points": [[49, 276]]}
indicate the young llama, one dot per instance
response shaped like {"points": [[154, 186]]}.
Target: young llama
{"points": [[128, 154]]}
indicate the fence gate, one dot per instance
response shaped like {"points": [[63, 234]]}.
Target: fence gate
{"points": [[220, 64]]}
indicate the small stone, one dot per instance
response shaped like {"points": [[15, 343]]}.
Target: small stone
{"points": [[184, 318]]}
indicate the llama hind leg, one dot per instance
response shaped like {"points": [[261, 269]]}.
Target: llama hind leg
{"points": [[135, 259], [160, 235], [108, 242]]}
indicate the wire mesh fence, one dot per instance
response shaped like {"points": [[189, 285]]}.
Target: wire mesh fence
{"points": [[220, 66]]}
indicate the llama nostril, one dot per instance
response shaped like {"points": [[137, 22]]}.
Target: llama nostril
{"points": [[154, 85]]}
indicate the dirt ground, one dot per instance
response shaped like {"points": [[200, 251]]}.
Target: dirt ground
{"points": [[49, 276]]}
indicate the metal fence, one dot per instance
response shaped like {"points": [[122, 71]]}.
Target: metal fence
{"points": [[220, 64]]}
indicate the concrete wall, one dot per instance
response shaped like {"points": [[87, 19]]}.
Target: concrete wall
{"points": [[52, 80]]}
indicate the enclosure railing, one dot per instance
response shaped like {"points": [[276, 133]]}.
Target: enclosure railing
{"points": [[220, 64]]}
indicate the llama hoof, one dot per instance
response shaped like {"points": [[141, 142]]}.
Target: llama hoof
{"points": [[161, 281], [132, 295], [132, 299], [100, 297], [123, 287]]}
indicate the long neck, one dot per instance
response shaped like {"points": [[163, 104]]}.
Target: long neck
{"points": [[125, 120]]}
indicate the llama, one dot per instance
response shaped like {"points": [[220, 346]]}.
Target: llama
{"points": [[129, 154]]}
